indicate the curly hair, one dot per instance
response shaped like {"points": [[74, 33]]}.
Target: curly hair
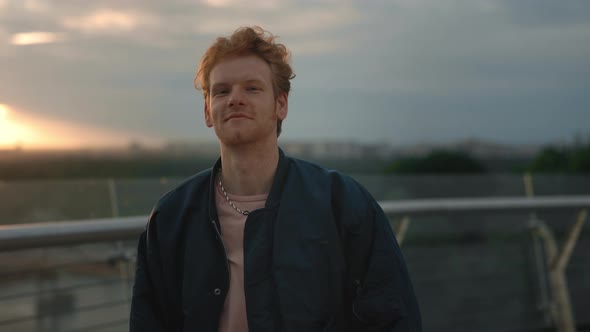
{"points": [[248, 41]]}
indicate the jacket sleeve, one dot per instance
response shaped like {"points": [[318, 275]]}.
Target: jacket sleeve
{"points": [[385, 299], [146, 314]]}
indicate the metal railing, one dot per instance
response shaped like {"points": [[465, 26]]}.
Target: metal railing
{"points": [[14, 238], [26, 236]]}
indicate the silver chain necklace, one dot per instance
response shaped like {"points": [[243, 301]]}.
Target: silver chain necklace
{"points": [[245, 212]]}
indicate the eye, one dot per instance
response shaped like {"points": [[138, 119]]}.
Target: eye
{"points": [[220, 92], [252, 88]]}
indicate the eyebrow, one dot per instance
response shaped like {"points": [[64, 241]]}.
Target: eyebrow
{"points": [[249, 81], [218, 86], [255, 80]]}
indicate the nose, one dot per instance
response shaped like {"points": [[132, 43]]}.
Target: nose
{"points": [[236, 98]]}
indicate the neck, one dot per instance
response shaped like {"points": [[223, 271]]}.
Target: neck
{"points": [[249, 169]]}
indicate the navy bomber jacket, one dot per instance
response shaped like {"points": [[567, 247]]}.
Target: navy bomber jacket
{"points": [[320, 256]]}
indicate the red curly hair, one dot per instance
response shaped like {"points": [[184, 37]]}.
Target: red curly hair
{"points": [[248, 41]]}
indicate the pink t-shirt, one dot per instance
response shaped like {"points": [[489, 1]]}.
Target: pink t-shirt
{"points": [[233, 318]]}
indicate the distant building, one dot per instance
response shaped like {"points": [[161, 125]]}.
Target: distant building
{"points": [[205, 149], [336, 150]]}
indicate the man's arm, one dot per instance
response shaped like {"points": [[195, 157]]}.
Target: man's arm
{"points": [[146, 314], [385, 299]]}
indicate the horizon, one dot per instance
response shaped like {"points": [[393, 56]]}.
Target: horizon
{"points": [[207, 145]]}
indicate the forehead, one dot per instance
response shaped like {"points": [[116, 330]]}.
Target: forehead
{"points": [[240, 68]]}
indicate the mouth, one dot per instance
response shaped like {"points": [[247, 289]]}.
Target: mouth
{"points": [[237, 116]]}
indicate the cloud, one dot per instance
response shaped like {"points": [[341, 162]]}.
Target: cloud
{"points": [[468, 46], [36, 6], [37, 37], [315, 47], [307, 21], [107, 20], [288, 20], [258, 5]]}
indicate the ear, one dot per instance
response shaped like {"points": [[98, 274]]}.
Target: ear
{"points": [[207, 114], [282, 105]]}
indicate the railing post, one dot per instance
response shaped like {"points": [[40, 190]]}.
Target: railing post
{"points": [[557, 261], [122, 261], [113, 198], [541, 268], [401, 229], [125, 261]]}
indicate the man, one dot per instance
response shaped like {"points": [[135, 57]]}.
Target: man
{"points": [[264, 242]]}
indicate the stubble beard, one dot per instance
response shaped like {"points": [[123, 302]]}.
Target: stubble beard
{"points": [[244, 136]]}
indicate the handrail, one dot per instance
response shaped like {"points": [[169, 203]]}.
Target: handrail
{"points": [[52, 234], [488, 204], [27, 236]]}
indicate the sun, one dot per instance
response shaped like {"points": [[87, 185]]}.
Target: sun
{"points": [[11, 133]]}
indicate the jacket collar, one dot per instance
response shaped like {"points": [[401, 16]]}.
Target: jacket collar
{"points": [[274, 196]]}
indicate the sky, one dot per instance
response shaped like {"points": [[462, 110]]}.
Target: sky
{"points": [[107, 72]]}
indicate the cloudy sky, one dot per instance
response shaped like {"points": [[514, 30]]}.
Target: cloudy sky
{"points": [[79, 72]]}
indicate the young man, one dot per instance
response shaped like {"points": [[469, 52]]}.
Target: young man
{"points": [[264, 242]]}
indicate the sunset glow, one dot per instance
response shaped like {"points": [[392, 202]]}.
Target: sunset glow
{"points": [[12, 133], [23, 130], [3, 111]]}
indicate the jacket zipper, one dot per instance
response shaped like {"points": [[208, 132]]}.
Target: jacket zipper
{"points": [[224, 255]]}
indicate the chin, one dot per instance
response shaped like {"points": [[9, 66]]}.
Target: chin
{"points": [[237, 138], [242, 136]]}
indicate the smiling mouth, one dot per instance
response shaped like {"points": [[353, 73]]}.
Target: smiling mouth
{"points": [[237, 116]]}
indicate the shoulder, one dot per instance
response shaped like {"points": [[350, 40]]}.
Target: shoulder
{"points": [[167, 219], [308, 169], [334, 196], [185, 191], [341, 188]]}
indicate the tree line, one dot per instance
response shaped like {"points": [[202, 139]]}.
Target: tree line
{"points": [[551, 159], [562, 160]]}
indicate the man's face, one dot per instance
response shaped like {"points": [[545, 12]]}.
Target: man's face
{"points": [[242, 107]]}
